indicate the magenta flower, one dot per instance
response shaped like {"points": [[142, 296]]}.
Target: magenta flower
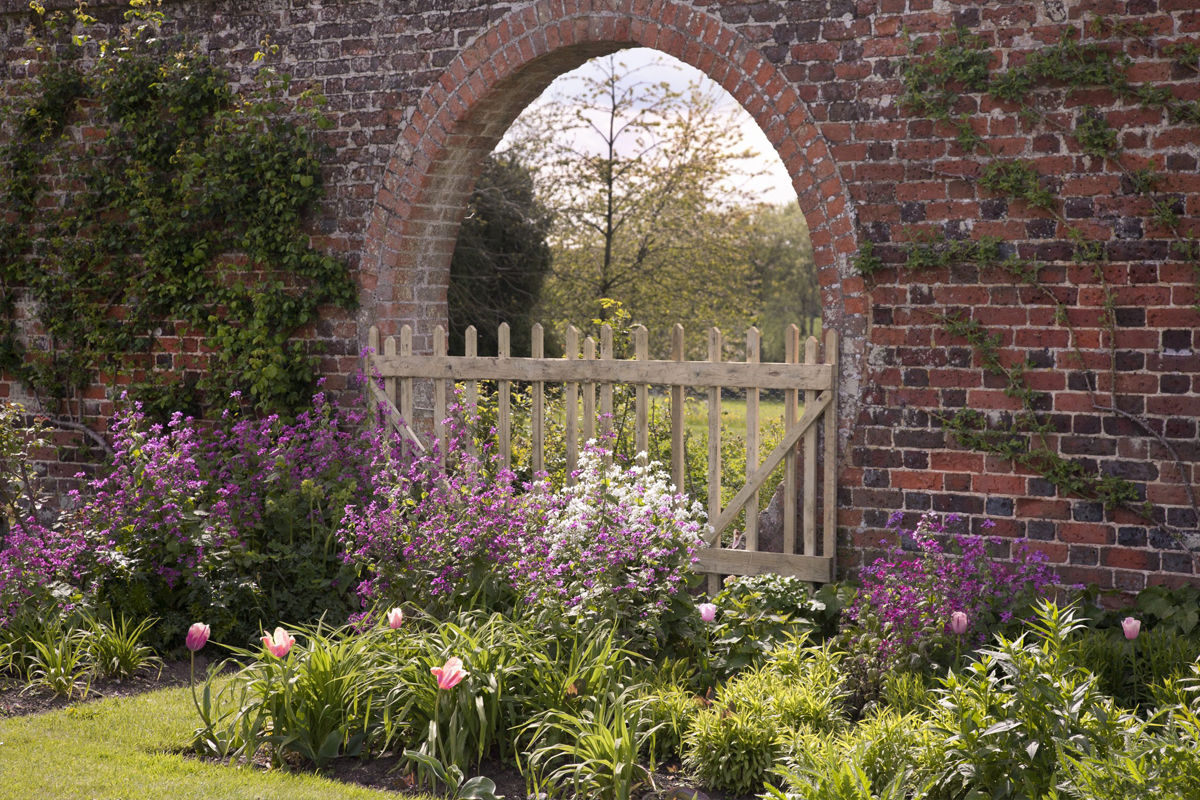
{"points": [[708, 611], [958, 622], [449, 674], [1132, 627], [395, 618], [280, 644], [197, 636]]}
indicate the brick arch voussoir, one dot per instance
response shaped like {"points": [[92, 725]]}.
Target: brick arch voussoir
{"points": [[465, 112]]}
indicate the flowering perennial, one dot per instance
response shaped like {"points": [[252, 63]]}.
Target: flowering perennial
{"points": [[908, 597], [616, 540]]}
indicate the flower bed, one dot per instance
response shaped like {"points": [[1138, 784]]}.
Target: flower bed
{"points": [[553, 629]]}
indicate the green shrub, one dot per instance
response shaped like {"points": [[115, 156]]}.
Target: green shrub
{"points": [[591, 754], [116, 649], [671, 711], [1160, 757], [756, 614], [733, 750], [1009, 719], [734, 744], [906, 692]]}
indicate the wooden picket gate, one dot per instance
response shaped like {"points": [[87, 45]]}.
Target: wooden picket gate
{"points": [[587, 369]]}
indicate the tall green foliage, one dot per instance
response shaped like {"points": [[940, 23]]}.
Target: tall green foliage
{"points": [[501, 258]]}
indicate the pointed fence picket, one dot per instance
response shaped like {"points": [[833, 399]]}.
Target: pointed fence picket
{"points": [[808, 545]]}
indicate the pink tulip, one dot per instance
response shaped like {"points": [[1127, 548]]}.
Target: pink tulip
{"points": [[197, 636], [395, 618], [450, 674], [1132, 627], [958, 622], [279, 644], [708, 611]]}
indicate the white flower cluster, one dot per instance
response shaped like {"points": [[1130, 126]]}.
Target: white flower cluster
{"points": [[608, 496]]}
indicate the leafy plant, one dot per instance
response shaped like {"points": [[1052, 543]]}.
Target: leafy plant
{"points": [[477, 788], [900, 618], [1010, 718], [1129, 671], [733, 749], [59, 664], [735, 743], [759, 613], [231, 522], [183, 216], [115, 649], [592, 753]]}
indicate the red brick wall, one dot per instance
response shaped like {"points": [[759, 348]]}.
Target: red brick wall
{"points": [[421, 90]]}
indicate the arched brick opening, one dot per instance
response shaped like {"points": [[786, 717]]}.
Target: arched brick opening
{"points": [[460, 119]]}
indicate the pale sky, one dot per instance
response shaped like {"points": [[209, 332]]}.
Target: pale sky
{"points": [[773, 186]]}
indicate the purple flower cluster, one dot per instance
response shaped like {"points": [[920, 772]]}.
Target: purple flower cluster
{"points": [[39, 568], [617, 538], [432, 527], [911, 595], [235, 513]]}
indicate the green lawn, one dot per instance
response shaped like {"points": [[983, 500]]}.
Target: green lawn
{"points": [[131, 749], [733, 415]]}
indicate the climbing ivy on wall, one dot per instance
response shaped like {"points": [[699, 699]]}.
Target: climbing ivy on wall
{"points": [[937, 76], [146, 199]]}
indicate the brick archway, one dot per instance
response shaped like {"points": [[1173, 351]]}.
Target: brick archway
{"points": [[423, 195]]}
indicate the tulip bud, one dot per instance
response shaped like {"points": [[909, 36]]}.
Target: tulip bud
{"points": [[395, 618], [958, 622], [708, 611], [1132, 627], [197, 636]]}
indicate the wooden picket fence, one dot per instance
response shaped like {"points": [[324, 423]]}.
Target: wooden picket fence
{"points": [[590, 370]]}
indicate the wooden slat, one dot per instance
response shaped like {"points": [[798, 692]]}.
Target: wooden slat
{"points": [[753, 351], [606, 389], [406, 384], [731, 374], [389, 384], [641, 352], [790, 437], [677, 399], [503, 403], [471, 387], [816, 569], [373, 346], [571, 406], [829, 541], [369, 373], [537, 422], [589, 391], [439, 396], [389, 390], [790, 401], [714, 449], [810, 463]]}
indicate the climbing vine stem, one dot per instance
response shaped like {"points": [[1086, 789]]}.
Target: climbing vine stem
{"points": [[938, 78]]}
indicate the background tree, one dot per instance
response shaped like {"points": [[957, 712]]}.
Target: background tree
{"points": [[501, 259], [643, 182], [780, 256]]}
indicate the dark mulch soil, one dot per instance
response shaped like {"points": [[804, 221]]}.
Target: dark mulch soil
{"points": [[378, 773], [18, 700], [382, 773]]}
